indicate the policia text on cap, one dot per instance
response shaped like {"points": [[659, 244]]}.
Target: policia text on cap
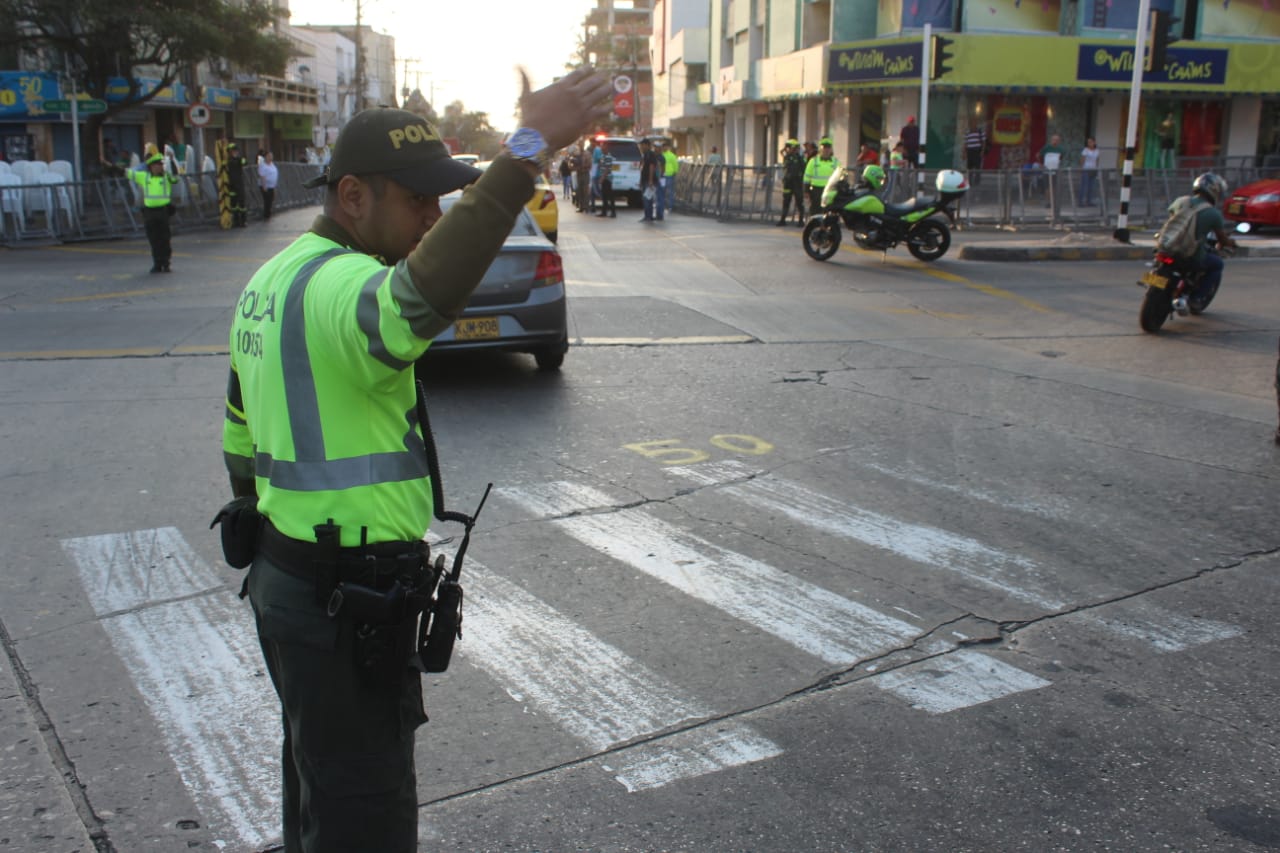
{"points": [[322, 427]]}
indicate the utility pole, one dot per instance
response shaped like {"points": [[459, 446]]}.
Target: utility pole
{"points": [[359, 77], [1121, 234]]}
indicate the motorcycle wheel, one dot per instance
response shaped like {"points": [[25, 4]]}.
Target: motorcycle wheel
{"points": [[929, 240], [1197, 306], [820, 240], [1156, 308]]}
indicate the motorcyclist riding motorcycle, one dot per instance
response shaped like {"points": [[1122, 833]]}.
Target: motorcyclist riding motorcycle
{"points": [[1209, 220]]}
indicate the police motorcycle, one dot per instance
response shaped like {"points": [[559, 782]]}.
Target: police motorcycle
{"points": [[877, 225]]}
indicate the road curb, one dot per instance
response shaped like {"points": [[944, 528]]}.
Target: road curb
{"points": [[1024, 254], [1054, 253]]}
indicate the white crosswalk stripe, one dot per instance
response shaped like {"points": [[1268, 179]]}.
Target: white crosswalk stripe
{"points": [[192, 658], [1018, 577], [191, 650]]}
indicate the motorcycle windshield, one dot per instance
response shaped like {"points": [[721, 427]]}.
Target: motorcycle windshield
{"points": [[832, 187]]}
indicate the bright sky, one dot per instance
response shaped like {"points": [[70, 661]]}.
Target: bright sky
{"points": [[469, 50]]}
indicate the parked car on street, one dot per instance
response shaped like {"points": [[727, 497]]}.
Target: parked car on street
{"points": [[543, 206], [1257, 203], [520, 303]]}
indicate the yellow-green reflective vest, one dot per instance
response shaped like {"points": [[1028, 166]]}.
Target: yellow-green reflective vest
{"points": [[155, 188], [321, 397], [818, 170]]}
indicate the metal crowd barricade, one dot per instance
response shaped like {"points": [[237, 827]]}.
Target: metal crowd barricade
{"points": [[109, 208]]}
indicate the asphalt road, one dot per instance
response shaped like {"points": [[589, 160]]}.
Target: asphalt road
{"points": [[865, 555]]}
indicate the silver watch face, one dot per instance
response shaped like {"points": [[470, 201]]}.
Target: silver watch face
{"points": [[526, 143]]}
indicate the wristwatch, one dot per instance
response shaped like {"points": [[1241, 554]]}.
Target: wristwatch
{"points": [[527, 144]]}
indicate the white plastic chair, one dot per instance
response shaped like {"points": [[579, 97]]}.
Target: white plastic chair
{"points": [[24, 168], [12, 203], [63, 168], [5, 168], [60, 199]]}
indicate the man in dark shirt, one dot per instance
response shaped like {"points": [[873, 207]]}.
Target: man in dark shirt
{"points": [[651, 169]]}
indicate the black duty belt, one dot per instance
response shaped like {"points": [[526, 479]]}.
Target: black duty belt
{"points": [[376, 564]]}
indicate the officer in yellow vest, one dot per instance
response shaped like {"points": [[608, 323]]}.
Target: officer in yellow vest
{"points": [[322, 427], [817, 171], [156, 184]]}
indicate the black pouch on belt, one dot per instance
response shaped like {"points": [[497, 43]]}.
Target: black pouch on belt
{"points": [[241, 525]]}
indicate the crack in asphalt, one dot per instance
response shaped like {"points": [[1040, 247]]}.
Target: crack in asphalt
{"points": [[54, 749]]}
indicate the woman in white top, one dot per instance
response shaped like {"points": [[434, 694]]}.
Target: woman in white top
{"points": [[1089, 173]]}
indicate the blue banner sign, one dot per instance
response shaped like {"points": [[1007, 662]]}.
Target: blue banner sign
{"points": [[118, 90], [220, 99], [1110, 63], [22, 94], [879, 62]]}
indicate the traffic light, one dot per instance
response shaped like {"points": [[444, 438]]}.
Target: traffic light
{"points": [[940, 56], [1161, 36]]}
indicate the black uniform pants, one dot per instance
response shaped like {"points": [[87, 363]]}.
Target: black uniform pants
{"points": [[268, 199], [815, 196], [793, 189], [156, 222], [349, 779]]}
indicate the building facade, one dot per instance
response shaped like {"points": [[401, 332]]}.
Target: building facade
{"points": [[1021, 72]]}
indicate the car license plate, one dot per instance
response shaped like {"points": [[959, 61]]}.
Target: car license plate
{"points": [[1151, 278], [475, 328], [1235, 208]]}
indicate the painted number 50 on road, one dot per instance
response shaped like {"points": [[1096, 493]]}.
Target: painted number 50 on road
{"points": [[671, 451]]}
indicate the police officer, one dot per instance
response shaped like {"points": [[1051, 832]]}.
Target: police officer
{"points": [[818, 170], [321, 426], [792, 181], [156, 184], [235, 186]]}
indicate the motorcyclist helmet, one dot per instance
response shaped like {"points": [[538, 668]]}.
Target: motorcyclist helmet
{"points": [[873, 176], [1211, 186], [951, 181]]}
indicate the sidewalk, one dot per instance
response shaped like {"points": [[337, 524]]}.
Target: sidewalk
{"points": [[1049, 244]]}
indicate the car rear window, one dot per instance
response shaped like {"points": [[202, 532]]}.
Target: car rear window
{"points": [[624, 149], [524, 225]]}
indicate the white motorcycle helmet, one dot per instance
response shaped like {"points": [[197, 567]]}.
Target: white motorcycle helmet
{"points": [[951, 181]]}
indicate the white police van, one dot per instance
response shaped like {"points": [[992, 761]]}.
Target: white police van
{"points": [[626, 167]]}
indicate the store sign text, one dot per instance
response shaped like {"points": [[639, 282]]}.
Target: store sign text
{"points": [[890, 62], [1109, 63]]}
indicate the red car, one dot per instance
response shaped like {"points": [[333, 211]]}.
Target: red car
{"points": [[1257, 203]]}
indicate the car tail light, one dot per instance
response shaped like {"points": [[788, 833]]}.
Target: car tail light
{"points": [[550, 270], [548, 197]]}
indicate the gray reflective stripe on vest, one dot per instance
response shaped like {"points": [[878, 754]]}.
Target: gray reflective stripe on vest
{"points": [[367, 316], [162, 183], [312, 472]]}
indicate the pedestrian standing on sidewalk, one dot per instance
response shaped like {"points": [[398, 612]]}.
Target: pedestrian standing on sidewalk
{"points": [[608, 206], [1089, 172], [268, 177], [975, 149], [671, 168], [650, 180], [584, 177]]}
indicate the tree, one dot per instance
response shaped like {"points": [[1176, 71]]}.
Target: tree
{"points": [[472, 129], [96, 40]]}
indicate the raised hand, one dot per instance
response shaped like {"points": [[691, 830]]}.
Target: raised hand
{"points": [[568, 108]]}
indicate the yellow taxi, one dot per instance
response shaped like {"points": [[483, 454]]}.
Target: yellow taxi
{"points": [[542, 206]]}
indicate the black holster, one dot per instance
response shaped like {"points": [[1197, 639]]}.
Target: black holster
{"points": [[241, 526]]}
